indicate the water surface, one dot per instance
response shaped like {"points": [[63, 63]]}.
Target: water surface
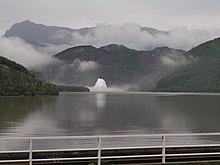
{"points": [[109, 113]]}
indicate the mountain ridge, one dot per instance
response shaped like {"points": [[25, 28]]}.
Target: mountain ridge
{"points": [[43, 35]]}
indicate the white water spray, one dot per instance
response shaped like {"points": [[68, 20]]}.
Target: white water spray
{"points": [[100, 85]]}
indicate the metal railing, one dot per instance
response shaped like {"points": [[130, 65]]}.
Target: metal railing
{"points": [[99, 148]]}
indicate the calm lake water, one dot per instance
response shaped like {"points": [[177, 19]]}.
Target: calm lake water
{"points": [[108, 113]]}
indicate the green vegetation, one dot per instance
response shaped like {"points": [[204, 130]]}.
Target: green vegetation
{"points": [[73, 89], [13, 65], [17, 80], [200, 76]]}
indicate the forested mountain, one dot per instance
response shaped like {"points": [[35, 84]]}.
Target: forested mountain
{"points": [[116, 64], [203, 75], [17, 80]]}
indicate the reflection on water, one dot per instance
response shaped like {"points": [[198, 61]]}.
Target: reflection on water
{"points": [[108, 113], [16, 109], [100, 100], [198, 113]]}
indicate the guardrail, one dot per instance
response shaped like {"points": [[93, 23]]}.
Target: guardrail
{"points": [[99, 148]]}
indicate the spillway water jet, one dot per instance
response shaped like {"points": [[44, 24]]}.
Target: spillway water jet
{"points": [[100, 85]]}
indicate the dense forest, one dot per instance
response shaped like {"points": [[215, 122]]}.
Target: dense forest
{"points": [[16, 80]]}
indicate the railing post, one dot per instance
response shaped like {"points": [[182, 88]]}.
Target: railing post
{"points": [[99, 151], [163, 149], [30, 151]]}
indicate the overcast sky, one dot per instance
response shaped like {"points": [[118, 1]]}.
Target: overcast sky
{"points": [[160, 14]]}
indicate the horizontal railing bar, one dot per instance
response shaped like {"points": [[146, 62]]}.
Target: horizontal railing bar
{"points": [[130, 156], [49, 138], [63, 159], [14, 161], [108, 136], [124, 148], [79, 137], [112, 148], [196, 145], [194, 134], [131, 136], [195, 154], [61, 150], [91, 149], [111, 157], [18, 151]]}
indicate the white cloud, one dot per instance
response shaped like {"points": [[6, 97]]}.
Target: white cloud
{"points": [[52, 49], [87, 66], [174, 60], [132, 36], [18, 50], [78, 13], [84, 66]]}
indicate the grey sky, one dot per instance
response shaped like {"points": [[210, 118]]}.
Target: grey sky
{"points": [[160, 14]]}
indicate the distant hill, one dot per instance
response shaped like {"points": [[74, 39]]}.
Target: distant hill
{"points": [[203, 75], [17, 80], [116, 64], [40, 35]]}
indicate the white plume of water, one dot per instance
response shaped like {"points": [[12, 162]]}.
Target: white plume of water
{"points": [[100, 85]]}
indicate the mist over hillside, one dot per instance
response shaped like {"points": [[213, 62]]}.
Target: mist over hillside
{"points": [[200, 76], [118, 65]]}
